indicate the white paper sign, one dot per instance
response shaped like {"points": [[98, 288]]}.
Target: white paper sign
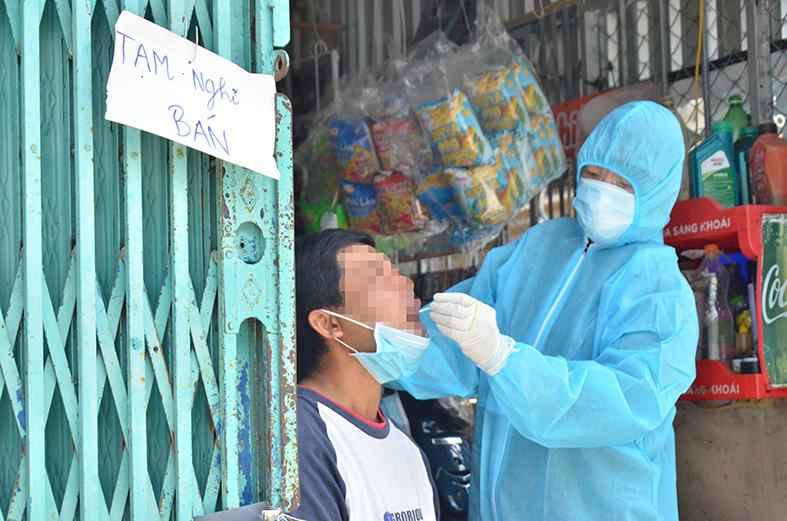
{"points": [[166, 85]]}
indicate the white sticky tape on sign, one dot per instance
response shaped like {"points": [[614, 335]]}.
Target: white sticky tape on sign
{"points": [[163, 84]]}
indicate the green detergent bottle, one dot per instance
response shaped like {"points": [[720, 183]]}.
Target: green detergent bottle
{"points": [[737, 116], [713, 167], [742, 148]]}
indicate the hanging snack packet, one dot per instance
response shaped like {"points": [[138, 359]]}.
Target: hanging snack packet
{"points": [[519, 164], [475, 188], [352, 147], [361, 202], [532, 95], [435, 192], [497, 101], [398, 205], [454, 129], [546, 144], [401, 145]]}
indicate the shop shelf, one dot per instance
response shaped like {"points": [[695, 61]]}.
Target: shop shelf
{"points": [[697, 222], [716, 381], [693, 224]]}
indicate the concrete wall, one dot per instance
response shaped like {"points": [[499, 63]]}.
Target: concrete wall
{"points": [[732, 463]]}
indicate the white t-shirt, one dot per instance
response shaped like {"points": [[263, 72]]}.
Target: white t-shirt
{"points": [[352, 469]]}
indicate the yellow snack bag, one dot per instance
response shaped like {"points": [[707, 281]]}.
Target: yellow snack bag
{"points": [[453, 127]]}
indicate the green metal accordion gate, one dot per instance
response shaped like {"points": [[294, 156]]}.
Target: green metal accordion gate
{"points": [[147, 362]]}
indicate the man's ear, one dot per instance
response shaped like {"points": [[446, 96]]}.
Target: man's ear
{"points": [[326, 325]]}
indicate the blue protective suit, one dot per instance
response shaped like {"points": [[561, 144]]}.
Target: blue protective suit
{"points": [[578, 423]]}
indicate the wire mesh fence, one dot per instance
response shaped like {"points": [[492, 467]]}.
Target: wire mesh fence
{"points": [[586, 47]]}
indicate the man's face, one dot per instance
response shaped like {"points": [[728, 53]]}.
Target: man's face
{"points": [[374, 291]]}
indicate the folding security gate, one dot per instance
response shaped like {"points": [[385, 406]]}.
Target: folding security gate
{"points": [[147, 324]]}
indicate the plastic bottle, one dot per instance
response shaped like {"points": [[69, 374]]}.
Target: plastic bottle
{"points": [[685, 183], [743, 343], [768, 164], [716, 321], [713, 172], [737, 116], [742, 148]]}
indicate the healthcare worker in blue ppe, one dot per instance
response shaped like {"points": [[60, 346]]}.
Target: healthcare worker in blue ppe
{"points": [[578, 339]]}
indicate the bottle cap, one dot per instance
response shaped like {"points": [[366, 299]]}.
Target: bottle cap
{"points": [[736, 98], [749, 131], [737, 300], [743, 330], [767, 128], [722, 126], [711, 248]]}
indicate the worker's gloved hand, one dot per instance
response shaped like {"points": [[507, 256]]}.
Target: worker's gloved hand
{"points": [[473, 325]]}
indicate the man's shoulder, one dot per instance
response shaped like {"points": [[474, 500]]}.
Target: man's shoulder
{"points": [[312, 432]]}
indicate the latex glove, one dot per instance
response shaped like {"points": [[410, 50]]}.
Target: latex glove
{"points": [[473, 325]]}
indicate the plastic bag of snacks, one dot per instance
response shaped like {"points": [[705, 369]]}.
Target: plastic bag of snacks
{"points": [[547, 141], [495, 45], [400, 209], [435, 192], [361, 201], [456, 132], [401, 144], [450, 135], [399, 139], [517, 160], [477, 191], [352, 146], [496, 98]]}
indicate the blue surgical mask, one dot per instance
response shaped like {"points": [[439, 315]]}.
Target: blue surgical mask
{"points": [[398, 352], [604, 211]]}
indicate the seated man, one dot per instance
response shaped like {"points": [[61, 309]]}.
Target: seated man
{"points": [[355, 464]]}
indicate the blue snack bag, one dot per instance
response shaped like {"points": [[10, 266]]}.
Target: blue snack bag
{"points": [[352, 146], [361, 202]]}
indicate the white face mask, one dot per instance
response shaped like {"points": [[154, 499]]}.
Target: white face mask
{"points": [[398, 352], [604, 211]]}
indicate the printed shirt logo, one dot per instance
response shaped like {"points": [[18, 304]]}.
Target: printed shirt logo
{"points": [[405, 515]]}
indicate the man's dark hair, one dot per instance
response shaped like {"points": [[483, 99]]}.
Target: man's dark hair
{"points": [[317, 276]]}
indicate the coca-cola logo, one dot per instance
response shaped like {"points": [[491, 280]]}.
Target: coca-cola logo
{"points": [[773, 297]]}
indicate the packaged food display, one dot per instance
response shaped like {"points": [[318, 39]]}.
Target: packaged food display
{"points": [[435, 192], [361, 201], [496, 98], [401, 144], [399, 207], [457, 136], [352, 146], [456, 132], [476, 190]]}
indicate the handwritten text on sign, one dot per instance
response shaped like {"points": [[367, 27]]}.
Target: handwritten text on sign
{"points": [[164, 84]]}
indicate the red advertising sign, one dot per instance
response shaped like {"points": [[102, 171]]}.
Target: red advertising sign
{"points": [[566, 118]]}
